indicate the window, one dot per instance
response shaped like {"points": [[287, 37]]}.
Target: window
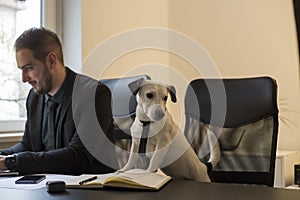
{"points": [[15, 17]]}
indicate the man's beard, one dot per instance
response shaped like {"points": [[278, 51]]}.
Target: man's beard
{"points": [[44, 86]]}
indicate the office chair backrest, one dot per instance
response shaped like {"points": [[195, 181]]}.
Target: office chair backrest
{"points": [[243, 114], [123, 110]]}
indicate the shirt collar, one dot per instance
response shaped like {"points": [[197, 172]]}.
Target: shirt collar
{"points": [[59, 95]]}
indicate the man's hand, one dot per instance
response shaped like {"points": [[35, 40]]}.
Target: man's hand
{"points": [[2, 165]]}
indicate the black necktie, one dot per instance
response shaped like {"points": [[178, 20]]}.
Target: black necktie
{"points": [[52, 105], [143, 140]]}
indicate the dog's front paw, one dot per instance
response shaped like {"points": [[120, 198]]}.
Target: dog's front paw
{"points": [[151, 169], [125, 168]]}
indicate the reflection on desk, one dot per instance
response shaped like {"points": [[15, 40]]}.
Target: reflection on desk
{"points": [[294, 187], [175, 190]]}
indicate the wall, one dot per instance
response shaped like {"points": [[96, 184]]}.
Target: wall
{"points": [[243, 37], [103, 19]]}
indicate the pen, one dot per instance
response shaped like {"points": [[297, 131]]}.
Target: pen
{"points": [[87, 180]]}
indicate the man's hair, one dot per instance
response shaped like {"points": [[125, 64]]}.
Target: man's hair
{"points": [[40, 41]]}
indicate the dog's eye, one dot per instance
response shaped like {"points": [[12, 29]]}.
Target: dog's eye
{"points": [[166, 98], [149, 95]]}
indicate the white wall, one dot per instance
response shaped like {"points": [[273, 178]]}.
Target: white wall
{"points": [[243, 37]]}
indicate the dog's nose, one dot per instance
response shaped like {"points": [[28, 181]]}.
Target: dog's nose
{"points": [[159, 114], [156, 112]]}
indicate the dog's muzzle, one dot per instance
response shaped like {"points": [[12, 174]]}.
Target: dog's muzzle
{"points": [[156, 112]]}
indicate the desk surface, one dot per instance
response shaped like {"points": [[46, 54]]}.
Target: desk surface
{"points": [[174, 190]]}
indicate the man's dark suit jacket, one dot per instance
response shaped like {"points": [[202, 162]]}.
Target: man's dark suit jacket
{"points": [[70, 155]]}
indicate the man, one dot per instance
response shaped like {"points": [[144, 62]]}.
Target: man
{"points": [[57, 147]]}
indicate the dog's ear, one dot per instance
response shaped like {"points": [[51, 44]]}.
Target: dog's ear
{"points": [[172, 91], [135, 85]]}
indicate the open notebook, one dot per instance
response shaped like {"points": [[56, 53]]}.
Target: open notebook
{"points": [[134, 179]]}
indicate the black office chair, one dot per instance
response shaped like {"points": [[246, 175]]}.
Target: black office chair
{"points": [[245, 113], [123, 110]]}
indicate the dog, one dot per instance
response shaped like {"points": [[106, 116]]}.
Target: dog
{"points": [[166, 148]]}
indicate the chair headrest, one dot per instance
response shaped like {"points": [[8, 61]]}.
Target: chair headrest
{"points": [[246, 100], [123, 101]]}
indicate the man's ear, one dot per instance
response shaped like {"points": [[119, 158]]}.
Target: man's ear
{"points": [[135, 85], [52, 58], [172, 91]]}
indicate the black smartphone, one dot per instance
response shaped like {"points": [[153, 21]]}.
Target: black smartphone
{"points": [[30, 179]]}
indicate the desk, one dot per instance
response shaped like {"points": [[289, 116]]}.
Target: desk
{"points": [[185, 190]]}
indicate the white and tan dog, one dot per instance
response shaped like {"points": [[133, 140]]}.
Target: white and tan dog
{"points": [[166, 147]]}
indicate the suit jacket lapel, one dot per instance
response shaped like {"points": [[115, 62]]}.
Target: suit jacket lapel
{"points": [[39, 124], [67, 102]]}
